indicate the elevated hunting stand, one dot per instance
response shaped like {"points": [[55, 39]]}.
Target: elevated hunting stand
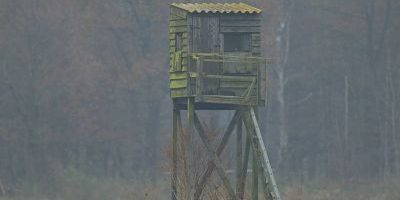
{"points": [[215, 64]]}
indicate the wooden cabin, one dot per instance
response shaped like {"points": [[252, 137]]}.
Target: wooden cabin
{"points": [[215, 55]]}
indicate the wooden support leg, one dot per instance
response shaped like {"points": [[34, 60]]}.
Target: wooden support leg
{"points": [[239, 155], [245, 166], [174, 195], [211, 165], [254, 187], [254, 192], [214, 157], [250, 121], [189, 147]]}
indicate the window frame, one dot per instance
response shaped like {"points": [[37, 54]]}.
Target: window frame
{"points": [[243, 44]]}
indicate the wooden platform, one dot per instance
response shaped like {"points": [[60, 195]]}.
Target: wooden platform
{"points": [[210, 102]]}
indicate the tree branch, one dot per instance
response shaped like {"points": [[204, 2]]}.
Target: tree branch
{"points": [[300, 101]]}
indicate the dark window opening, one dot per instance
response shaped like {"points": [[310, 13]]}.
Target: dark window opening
{"points": [[237, 42], [178, 41]]}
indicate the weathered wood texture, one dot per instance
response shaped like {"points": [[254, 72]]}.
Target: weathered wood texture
{"points": [[178, 29], [214, 157], [215, 64], [174, 178], [191, 33], [268, 179], [189, 150], [239, 157], [204, 31], [210, 165]]}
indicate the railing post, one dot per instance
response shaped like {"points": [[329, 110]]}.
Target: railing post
{"points": [[258, 66], [199, 77], [265, 81]]}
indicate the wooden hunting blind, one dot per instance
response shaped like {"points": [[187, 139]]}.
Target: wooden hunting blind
{"points": [[214, 54], [216, 64]]}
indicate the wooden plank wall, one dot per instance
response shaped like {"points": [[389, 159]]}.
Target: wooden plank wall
{"points": [[178, 24], [205, 38], [242, 23], [203, 33]]}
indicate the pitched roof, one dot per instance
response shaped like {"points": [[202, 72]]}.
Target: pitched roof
{"points": [[217, 8]]}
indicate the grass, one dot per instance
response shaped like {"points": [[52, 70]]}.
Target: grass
{"points": [[344, 191], [74, 185]]}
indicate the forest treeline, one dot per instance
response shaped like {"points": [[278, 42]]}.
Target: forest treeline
{"points": [[84, 85]]}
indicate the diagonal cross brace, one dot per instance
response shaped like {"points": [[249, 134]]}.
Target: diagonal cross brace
{"points": [[217, 162], [220, 148], [251, 124]]}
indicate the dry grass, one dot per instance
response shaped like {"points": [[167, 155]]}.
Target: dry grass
{"points": [[74, 185], [389, 190], [84, 188]]}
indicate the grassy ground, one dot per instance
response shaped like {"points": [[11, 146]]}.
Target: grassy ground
{"points": [[77, 186], [73, 185], [389, 190]]}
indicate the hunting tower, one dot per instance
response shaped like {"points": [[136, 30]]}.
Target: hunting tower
{"points": [[215, 64]]}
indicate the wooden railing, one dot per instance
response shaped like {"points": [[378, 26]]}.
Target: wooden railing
{"points": [[238, 79]]}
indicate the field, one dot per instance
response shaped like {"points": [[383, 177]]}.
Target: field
{"points": [[76, 186]]}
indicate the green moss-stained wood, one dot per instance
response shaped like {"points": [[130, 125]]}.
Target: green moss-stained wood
{"points": [[199, 34]]}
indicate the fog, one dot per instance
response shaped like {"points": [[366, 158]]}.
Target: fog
{"points": [[86, 111]]}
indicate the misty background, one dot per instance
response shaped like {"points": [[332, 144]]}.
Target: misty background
{"points": [[85, 104]]}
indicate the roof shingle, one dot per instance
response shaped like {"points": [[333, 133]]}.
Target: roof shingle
{"points": [[217, 8]]}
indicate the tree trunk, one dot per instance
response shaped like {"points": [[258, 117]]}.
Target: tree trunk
{"points": [[283, 46]]}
